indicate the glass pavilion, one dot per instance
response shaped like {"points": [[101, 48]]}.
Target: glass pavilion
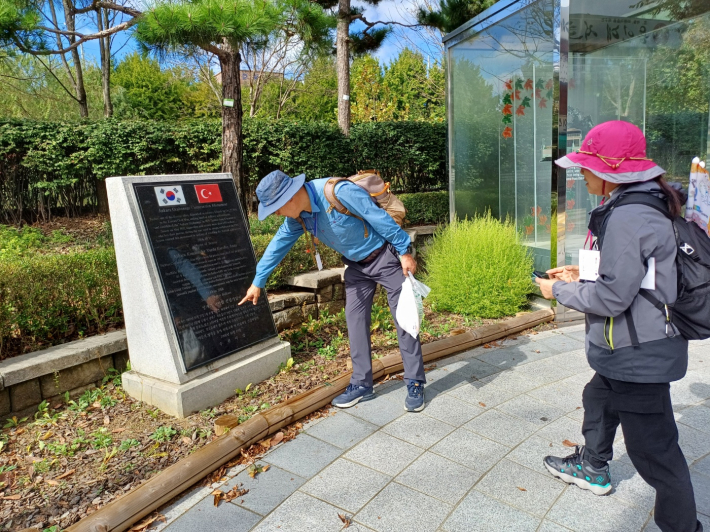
{"points": [[527, 79]]}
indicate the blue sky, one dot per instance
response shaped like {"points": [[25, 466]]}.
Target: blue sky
{"points": [[427, 42]]}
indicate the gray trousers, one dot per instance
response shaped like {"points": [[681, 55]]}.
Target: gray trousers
{"points": [[361, 280]]}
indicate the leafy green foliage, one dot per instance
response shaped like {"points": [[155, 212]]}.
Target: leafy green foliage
{"points": [[163, 434], [477, 267], [452, 13], [45, 298], [424, 208], [56, 165]]}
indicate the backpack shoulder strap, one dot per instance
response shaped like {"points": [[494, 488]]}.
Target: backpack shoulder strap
{"points": [[642, 198], [329, 191]]}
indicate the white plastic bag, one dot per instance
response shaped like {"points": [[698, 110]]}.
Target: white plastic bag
{"points": [[410, 309]]}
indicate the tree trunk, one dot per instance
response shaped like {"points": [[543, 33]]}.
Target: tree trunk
{"points": [[342, 45], [79, 74], [105, 49], [232, 146]]}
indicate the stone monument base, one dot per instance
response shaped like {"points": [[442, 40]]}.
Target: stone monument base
{"points": [[209, 389]]}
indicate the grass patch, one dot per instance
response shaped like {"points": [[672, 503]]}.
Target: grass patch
{"points": [[477, 268]]}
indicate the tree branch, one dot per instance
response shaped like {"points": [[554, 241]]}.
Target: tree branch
{"points": [[374, 23], [76, 44]]}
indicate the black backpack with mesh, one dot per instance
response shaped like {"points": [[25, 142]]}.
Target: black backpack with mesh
{"points": [[690, 314]]}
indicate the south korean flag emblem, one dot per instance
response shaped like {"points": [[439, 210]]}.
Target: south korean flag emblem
{"points": [[169, 195]]}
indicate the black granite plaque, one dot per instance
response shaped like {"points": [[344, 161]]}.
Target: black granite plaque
{"points": [[201, 246]]}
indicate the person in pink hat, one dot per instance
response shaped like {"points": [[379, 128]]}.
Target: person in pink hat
{"points": [[630, 343]]}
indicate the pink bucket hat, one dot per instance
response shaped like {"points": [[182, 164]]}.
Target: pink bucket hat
{"points": [[616, 152]]}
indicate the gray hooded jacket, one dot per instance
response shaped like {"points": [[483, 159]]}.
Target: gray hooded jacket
{"points": [[633, 234]]}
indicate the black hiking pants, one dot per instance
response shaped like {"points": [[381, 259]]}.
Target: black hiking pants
{"points": [[646, 417]]}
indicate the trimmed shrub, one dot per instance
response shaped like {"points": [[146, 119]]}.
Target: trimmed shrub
{"points": [[46, 299], [51, 165], [477, 267], [426, 208]]}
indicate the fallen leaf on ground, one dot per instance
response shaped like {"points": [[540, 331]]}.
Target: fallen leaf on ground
{"points": [[107, 420], [537, 350], [116, 431], [12, 497], [266, 444], [65, 475], [52, 482], [568, 443], [456, 332], [47, 435], [278, 438], [521, 489], [486, 346], [347, 521], [143, 525], [186, 440], [482, 404], [255, 469]]}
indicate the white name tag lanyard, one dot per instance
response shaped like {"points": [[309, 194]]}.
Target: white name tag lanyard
{"points": [[589, 268], [319, 262]]}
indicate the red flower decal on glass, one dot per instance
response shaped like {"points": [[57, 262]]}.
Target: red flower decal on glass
{"points": [[535, 210], [542, 103], [509, 85], [529, 229], [548, 85], [538, 94], [508, 109], [520, 111], [517, 95], [528, 85], [570, 204], [570, 183], [508, 133]]}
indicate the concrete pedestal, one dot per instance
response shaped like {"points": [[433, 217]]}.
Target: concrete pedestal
{"points": [[209, 389]]}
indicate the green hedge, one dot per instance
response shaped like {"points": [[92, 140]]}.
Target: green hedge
{"points": [[45, 299], [50, 165], [426, 208]]}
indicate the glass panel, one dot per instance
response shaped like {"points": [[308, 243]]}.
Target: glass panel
{"points": [[628, 62], [500, 108]]}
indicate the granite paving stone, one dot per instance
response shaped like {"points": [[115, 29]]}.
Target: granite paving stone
{"points": [[226, 516], [562, 429], [549, 526], [701, 487], [489, 515], [266, 491], [630, 487], [450, 410], [695, 444], [398, 508], [600, 513], [501, 427], [493, 390], [378, 411], [531, 409], [304, 455], [384, 453], [506, 358], [697, 417], [532, 451], [347, 485], [298, 513], [520, 487], [470, 449], [565, 396], [422, 431], [452, 480], [342, 430], [563, 343], [702, 466]]}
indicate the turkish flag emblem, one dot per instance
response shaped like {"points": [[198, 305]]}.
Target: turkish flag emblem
{"points": [[208, 193]]}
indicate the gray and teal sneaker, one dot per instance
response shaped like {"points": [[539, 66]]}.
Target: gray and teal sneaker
{"points": [[574, 469]]}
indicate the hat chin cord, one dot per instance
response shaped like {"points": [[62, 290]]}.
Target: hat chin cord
{"points": [[614, 165]]}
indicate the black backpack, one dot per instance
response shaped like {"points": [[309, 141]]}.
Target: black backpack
{"points": [[690, 314]]}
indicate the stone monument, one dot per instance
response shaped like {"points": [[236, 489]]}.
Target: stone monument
{"points": [[185, 260]]}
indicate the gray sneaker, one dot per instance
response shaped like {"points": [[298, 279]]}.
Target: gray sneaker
{"points": [[415, 397], [352, 395]]}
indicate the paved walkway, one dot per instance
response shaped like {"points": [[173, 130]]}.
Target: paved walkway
{"points": [[471, 461]]}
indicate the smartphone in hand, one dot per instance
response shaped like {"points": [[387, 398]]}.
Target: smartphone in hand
{"points": [[540, 275]]}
